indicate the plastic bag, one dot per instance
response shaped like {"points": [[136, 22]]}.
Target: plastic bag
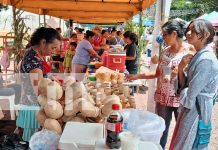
{"points": [[44, 140], [146, 125], [12, 142], [5, 61]]}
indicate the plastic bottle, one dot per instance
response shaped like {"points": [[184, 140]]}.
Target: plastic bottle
{"points": [[114, 128]]}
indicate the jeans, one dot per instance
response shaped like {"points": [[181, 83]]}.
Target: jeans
{"points": [[166, 113]]}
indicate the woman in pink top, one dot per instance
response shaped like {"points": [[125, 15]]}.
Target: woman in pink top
{"points": [[167, 71]]}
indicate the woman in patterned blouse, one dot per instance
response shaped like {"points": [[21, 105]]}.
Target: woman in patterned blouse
{"points": [[167, 101], [43, 42]]}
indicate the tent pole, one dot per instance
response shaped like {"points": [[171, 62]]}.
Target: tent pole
{"points": [[140, 33], [39, 20], [44, 20], [162, 14], [60, 22]]}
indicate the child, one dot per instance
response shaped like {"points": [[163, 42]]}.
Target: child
{"points": [[69, 56]]}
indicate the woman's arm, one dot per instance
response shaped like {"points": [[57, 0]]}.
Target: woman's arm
{"points": [[35, 76], [198, 82], [92, 52], [149, 75], [130, 58], [182, 65]]}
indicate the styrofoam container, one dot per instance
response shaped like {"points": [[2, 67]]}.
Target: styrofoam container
{"points": [[77, 135]]}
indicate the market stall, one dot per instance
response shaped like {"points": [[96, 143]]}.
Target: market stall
{"points": [[89, 11], [78, 111], [65, 102]]}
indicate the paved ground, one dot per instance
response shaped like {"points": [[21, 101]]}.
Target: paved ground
{"points": [[142, 104]]}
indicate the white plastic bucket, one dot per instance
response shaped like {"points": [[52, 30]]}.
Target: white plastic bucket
{"points": [[129, 141]]}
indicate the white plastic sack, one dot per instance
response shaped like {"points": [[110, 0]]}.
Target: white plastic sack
{"points": [[44, 140], [5, 60], [148, 126]]}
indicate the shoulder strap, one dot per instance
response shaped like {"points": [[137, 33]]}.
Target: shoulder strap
{"points": [[198, 109]]}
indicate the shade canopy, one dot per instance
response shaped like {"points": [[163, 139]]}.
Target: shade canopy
{"points": [[84, 11], [212, 17]]}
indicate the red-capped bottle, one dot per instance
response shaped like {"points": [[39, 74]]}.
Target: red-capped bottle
{"points": [[114, 128]]}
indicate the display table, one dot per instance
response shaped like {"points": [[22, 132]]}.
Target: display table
{"points": [[90, 136], [133, 83], [136, 83], [100, 145]]}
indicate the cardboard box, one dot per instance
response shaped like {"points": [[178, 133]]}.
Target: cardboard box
{"points": [[81, 136]]}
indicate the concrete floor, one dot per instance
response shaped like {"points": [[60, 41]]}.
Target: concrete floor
{"points": [[141, 101]]}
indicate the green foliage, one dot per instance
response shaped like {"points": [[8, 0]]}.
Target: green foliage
{"points": [[129, 26], [203, 6], [3, 7], [20, 33]]}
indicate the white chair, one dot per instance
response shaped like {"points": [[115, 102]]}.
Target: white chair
{"points": [[11, 100]]}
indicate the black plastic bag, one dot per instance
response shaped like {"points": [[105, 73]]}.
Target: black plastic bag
{"points": [[13, 142]]}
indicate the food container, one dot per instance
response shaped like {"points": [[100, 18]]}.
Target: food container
{"points": [[92, 78], [116, 61], [91, 66]]}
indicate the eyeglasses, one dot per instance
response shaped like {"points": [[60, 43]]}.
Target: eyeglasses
{"points": [[191, 31]]}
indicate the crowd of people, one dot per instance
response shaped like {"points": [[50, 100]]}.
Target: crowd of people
{"points": [[187, 74], [187, 83]]}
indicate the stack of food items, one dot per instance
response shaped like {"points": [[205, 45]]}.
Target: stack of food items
{"points": [[76, 101], [108, 83], [51, 109]]}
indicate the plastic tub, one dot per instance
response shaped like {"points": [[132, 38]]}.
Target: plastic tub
{"points": [[148, 126], [129, 141]]}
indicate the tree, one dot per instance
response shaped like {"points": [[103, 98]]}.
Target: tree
{"points": [[20, 34], [193, 8], [3, 7]]}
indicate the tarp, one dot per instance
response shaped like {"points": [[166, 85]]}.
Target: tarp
{"points": [[84, 11], [145, 22], [212, 17]]}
